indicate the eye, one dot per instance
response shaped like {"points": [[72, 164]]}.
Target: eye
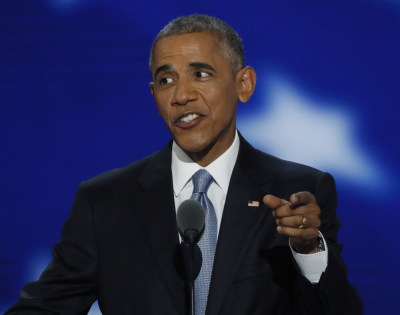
{"points": [[202, 74], [165, 81]]}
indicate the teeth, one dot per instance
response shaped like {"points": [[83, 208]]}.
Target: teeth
{"points": [[188, 118]]}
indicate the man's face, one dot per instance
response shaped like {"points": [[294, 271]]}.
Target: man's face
{"points": [[196, 92]]}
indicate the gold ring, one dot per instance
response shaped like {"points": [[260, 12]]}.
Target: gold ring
{"points": [[303, 223]]}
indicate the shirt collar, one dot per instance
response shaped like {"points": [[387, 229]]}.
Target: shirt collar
{"points": [[183, 167]]}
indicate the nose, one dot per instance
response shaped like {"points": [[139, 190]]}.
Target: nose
{"points": [[184, 93]]}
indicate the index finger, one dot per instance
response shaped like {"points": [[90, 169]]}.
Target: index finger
{"points": [[302, 198], [274, 202]]}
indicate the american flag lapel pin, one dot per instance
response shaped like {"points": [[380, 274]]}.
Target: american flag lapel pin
{"points": [[253, 203]]}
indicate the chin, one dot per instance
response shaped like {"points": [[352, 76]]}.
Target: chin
{"points": [[192, 145]]}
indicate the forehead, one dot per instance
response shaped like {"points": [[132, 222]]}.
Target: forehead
{"points": [[191, 47]]}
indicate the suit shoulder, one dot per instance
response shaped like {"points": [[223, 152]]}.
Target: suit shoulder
{"points": [[252, 158], [115, 178], [276, 165], [293, 177], [285, 172]]}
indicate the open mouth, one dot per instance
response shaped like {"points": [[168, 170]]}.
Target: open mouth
{"points": [[188, 118]]}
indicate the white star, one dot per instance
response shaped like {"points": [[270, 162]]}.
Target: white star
{"points": [[293, 126]]}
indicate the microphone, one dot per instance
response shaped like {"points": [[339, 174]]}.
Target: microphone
{"points": [[190, 219]]}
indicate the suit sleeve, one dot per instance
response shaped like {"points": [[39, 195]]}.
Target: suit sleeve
{"points": [[334, 292], [68, 284]]}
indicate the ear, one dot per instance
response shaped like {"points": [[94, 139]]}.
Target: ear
{"points": [[246, 80], [151, 85]]}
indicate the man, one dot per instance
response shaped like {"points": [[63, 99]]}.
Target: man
{"points": [[120, 243]]}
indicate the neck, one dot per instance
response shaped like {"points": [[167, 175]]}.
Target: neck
{"points": [[211, 153]]}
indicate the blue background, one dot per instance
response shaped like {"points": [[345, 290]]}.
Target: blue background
{"points": [[75, 101]]}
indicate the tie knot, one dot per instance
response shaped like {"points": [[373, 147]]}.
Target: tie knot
{"points": [[201, 181]]}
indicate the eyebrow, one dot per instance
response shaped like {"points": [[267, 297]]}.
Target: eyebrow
{"points": [[162, 68], [198, 65], [201, 65]]}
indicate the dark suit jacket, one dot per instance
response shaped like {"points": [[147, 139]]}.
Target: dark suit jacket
{"points": [[119, 245]]}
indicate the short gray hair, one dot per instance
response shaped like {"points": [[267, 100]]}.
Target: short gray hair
{"points": [[229, 38]]}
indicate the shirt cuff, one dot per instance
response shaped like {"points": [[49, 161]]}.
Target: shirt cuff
{"points": [[312, 265]]}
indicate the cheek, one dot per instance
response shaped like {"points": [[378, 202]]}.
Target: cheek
{"points": [[162, 101], [161, 107], [223, 91], [223, 105], [163, 113]]}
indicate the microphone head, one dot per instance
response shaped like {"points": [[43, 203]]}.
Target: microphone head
{"points": [[190, 219]]}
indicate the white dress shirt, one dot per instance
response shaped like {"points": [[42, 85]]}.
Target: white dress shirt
{"points": [[183, 168]]}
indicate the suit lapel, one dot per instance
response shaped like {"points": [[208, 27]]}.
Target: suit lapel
{"points": [[239, 225], [155, 209]]}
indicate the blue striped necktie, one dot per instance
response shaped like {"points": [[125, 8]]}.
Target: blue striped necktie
{"points": [[201, 182]]}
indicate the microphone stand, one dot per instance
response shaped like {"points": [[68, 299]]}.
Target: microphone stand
{"points": [[192, 259]]}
